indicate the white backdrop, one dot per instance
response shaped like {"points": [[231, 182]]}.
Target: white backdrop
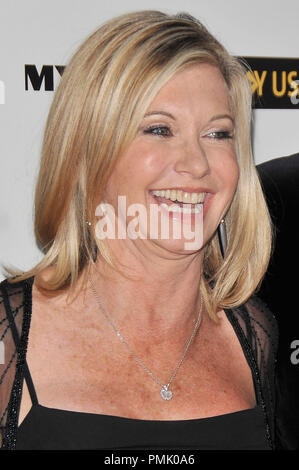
{"points": [[41, 32]]}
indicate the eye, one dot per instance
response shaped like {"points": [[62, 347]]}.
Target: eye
{"points": [[221, 135], [162, 131]]}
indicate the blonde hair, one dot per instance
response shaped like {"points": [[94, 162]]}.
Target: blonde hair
{"points": [[95, 114]]}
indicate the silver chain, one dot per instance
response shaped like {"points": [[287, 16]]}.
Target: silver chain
{"points": [[165, 393]]}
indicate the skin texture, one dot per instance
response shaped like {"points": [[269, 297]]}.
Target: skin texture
{"points": [[175, 147], [76, 360]]}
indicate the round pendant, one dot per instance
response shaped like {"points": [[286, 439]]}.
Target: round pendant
{"points": [[166, 394]]}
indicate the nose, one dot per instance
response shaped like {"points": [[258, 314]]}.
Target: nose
{"points": [[192, 159]]}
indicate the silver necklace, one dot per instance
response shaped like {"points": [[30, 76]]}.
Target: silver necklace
{"points": [[165, 392]]}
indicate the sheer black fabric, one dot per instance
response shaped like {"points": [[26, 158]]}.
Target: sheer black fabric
{"points": [[253, 323]]}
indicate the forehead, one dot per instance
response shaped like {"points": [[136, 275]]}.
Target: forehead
{"points": [[200, 84]]}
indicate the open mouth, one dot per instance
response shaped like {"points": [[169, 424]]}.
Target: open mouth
{"points": [[179, 201]]}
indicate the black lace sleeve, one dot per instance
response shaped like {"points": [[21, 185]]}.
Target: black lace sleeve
{"points": [[257, 330], [15, 312]]}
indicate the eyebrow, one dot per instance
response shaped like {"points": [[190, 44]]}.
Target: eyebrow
{"points": [[222, 116], [214, 118], [164, 113]]}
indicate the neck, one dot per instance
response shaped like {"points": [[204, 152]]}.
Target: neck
{"points": [[160, 294]]}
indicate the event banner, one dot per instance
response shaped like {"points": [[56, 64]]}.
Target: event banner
{"points": [[274, 81]]}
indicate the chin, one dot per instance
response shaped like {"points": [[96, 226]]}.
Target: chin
{"points": [[179, 247]]}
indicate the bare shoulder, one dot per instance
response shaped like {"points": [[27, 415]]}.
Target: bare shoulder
{"points": [[63, 298], [57, 319]]}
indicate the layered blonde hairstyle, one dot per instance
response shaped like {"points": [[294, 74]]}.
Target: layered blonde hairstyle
{"points": [[102, 97]]}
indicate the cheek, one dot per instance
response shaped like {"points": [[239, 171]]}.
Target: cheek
{"points": [[141, 165], [227, 170], [234, 175], [146, 160], [136, 169]]}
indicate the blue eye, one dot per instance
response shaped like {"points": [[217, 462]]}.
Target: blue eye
{"points": [[220, 135], [163, 131]]}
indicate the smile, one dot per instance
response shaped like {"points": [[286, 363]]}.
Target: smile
{"points": [[175, 200], [177, 195]]}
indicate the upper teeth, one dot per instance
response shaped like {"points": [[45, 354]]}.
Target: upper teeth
{"points": [[180, 196]]}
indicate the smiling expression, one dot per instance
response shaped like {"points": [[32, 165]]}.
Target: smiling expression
{"points": [[183, 151]]}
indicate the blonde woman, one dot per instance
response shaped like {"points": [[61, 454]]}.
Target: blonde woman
{"points": [[118, 340]]}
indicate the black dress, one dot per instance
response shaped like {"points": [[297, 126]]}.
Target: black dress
{"points": [[47, 428]]}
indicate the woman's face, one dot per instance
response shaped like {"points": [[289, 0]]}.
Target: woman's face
{"points": [[184, 147]]}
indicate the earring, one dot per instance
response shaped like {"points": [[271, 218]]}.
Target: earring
{"points": [[95, 248], [222, 236]]}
